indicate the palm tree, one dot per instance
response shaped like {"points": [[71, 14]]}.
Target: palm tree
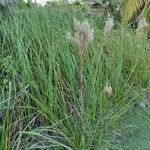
{"points": [[132, 8]]}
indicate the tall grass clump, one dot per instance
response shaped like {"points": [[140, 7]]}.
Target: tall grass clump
{"points": [[59, 94]]}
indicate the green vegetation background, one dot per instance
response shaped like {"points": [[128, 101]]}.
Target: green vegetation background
{"points": [[40, 105]]}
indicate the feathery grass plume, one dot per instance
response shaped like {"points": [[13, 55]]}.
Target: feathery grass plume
{"points": [[108, 89], [82, 37], [142, 27], [108, 25]]}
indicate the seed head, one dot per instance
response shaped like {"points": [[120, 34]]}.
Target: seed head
{"points": [[108, 25], [77, 25], [142, 27], [108, 89], [83, 35]]}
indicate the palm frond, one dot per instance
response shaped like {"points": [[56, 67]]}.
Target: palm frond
{"points": [[131, 7]]}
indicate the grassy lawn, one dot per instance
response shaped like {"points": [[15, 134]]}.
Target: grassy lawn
{"points": [[141, 121], [133, 132], [54, 94]]}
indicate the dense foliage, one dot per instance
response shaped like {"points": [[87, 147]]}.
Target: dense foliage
{"points": [[60, 93]]}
